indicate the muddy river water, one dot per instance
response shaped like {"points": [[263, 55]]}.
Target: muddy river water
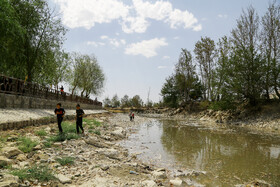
{"points": [[220, 156]]}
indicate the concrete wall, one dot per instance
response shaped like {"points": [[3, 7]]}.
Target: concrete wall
{"points": [[16, 101]]}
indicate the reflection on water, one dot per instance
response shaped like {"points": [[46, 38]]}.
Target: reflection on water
{"points": [[228, 156]]}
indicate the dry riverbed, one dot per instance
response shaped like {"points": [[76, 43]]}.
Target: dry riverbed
{"points": [[37, 156]]}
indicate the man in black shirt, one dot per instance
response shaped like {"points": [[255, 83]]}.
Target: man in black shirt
{"points": [[60, 112], [79, 117]]}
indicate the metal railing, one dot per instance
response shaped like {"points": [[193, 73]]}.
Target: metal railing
{"points": [[15, 86]]}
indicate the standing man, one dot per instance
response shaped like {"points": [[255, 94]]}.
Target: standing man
{"points": [[79, 117], [60, 112]]}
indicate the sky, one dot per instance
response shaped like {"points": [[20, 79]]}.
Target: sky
{"points": [[138, 42]]}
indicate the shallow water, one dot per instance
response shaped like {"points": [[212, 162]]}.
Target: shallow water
{"points": [[228, 156]]}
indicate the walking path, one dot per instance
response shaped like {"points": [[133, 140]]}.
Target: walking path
{"points": [[13, 115]]}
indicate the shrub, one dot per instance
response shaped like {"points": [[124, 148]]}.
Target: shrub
{"points": [[222, 105], [26, 145], [37, 172], [65, 161], [41, 133]]}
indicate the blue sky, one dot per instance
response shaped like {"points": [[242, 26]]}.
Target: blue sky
{"points": [[137, 42]]}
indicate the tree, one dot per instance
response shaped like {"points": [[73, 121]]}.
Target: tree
{"points": [[86, 75], [246, 68], [107, 102], [125, 101], [33, 35], [185, 76], [270, 36], [205, 54], [136, 101], [115, 101], [169, 92], [221, 80]]}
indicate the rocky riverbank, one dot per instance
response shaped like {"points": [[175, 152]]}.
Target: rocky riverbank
{"points": [[37, 156], [265, 121]]}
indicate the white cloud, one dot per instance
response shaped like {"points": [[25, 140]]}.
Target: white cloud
{"points": [[147, 48], [176, 38], [86, 13], [162, 67], [112, 41], [223, 16], [165, 57], [132, 18], [103, 37], [95, 44]]}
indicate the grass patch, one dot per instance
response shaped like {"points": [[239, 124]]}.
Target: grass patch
{"points": [[26, 145], [47, 143], [37, 172], [65, 161], [97, 132], [91, 127], [62, 137], [90, 131], [97, 123], [68, 127], [41, 133]]}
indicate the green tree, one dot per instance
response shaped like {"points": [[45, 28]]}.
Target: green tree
{"points": [[125, 101], [107, 102], [185, 76], [205, 54], [136, 101], [246, 70], [270, 36], [86, 75], [115, 101], [169, 92]]}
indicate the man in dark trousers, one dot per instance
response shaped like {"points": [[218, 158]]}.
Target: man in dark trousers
{"points": [[60, 112], [79, 117]]}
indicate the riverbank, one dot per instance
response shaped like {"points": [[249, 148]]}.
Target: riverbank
{"points": [[265, 120]]}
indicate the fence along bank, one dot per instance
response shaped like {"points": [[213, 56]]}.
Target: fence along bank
{"points": [[16, 93]]}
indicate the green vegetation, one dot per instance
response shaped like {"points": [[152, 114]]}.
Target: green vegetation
{"points": [[242, 67], [26, 145], [97, 132], [65, 161], [90, 131], [47, 143], [135, 101], [41, 133], [31, 40], [68, 127], [37, 172]]}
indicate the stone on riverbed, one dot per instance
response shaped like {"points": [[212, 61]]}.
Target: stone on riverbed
{"points": [[159, 174], [149, 183], [4, 161], [10, 152], [7, 180], [63, 179], [119, 132], [176, 182], [96, 143]]}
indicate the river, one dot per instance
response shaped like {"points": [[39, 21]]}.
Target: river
{"points": [[221, 156]]}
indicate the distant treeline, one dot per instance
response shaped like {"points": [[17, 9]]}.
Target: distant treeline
{"points": [[31, 39], [244, 66]]}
